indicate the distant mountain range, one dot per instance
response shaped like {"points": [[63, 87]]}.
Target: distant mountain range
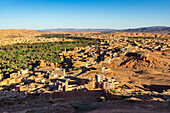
{"points": [[153, 29], [71, 30]]}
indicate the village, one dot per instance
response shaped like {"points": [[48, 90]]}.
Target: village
{"points": [[85, 56], [70, 74], [28, 38], [9, 37]]}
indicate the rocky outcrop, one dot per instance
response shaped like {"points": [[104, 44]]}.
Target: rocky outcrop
{"points": [[143, 60]]}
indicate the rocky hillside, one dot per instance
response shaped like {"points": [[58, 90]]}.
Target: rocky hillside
{"points": [[146, 60], [156, 29]]}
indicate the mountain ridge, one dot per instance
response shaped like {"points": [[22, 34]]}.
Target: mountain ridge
{"points": [[151, 29]]}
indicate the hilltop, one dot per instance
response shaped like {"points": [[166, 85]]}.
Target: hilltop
{"points": [[11, 33], [16, 31]]}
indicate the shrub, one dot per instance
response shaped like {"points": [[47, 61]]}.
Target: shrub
{"points": [[113, 90]]}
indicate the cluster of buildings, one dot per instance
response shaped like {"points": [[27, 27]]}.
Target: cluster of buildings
{"points": [[78, 61], [29, 39], [117, 34], [56, 80], [111, 50]]}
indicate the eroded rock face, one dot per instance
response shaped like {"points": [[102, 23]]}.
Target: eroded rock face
{"points": [[134, 60], [143, 60]]}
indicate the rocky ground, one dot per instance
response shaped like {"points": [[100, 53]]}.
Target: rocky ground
{"points": [[145, 71], [63, 106], [48, 103]]}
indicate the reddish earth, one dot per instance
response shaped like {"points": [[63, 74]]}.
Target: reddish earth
{"points": [[132, 107], [142, 60], [17, 31], [81, 101]]}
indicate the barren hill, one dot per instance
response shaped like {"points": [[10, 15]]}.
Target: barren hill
{"points": [[146, 60], [17, 31], [11, 33]]}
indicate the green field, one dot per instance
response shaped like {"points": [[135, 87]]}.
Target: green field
{"points": [[25, 56]]}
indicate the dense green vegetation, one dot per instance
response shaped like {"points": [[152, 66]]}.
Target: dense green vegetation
{"points": [[66, 36], [54, 35], [24, 56]]}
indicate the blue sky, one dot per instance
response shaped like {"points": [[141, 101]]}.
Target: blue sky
{"points": [[115, 14]]}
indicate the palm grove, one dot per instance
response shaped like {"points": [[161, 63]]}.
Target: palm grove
{"points": [[25, 56]]}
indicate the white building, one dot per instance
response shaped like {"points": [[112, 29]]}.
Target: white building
{"points": [[100, 78]]}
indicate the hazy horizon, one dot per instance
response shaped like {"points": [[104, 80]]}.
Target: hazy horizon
{"points": [[87, 28]]}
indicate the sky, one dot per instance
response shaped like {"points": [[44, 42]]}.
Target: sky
{"points": [[101, 14]]}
